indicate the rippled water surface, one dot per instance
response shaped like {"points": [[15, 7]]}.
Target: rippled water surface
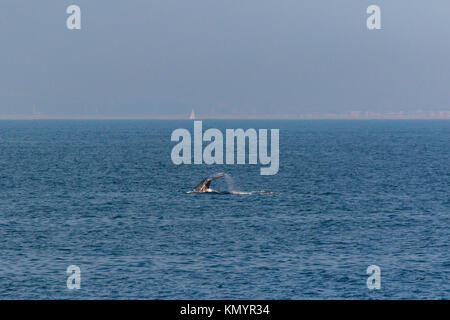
{"points": [[104, 195]]}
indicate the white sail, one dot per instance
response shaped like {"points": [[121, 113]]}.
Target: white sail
{"points": [[192, 116]]}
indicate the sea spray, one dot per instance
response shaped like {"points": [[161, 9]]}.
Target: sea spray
{"points": [[230, 183]]}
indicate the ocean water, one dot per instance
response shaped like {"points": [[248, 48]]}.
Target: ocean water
{"points": [[105, 196]]}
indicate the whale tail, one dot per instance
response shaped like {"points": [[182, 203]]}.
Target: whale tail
{"points": [[203, 186]]}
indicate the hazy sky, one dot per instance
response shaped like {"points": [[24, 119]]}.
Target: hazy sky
{"points": [[223, 56]]}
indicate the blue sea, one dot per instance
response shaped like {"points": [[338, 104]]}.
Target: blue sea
{"points": [[105, 196]]}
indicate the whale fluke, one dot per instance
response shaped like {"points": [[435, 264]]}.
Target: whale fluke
{"points": [[204, 185]]}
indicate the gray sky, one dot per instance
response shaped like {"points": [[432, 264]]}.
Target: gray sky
{"points": [[223, 56]]}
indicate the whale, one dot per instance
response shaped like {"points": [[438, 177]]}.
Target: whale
{"points": [[203, 186]]}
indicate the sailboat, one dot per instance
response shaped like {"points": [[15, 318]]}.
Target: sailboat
{"points": [[35, 112], [192, 115]]}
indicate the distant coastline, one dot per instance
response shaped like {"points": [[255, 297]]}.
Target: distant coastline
{"points": [[353, 115]]}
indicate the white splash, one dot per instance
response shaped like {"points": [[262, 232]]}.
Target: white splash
{"points": [[231, 186], [230, 183]]}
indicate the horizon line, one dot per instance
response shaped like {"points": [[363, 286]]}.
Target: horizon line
{"points": [[354, 115]]}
